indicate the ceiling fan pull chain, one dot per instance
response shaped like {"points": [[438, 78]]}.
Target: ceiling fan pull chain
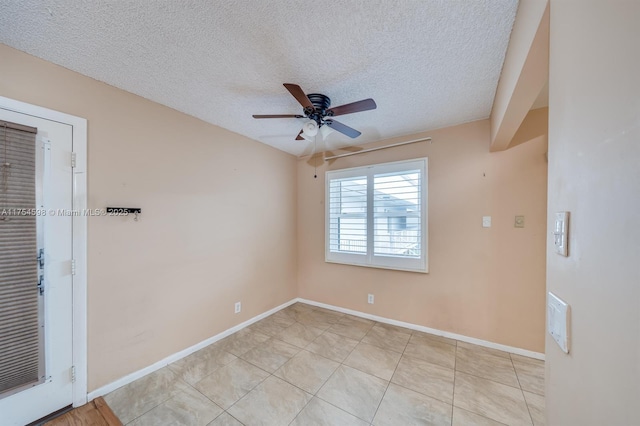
{"points": [[315, 160]]}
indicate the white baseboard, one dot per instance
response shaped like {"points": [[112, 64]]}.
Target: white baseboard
{"points": [[188, 351], [467, 339], [179, 355]]}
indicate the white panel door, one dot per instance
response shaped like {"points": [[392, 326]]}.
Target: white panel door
{"points": [[54, 146]]}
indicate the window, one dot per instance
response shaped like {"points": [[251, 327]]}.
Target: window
{"points": [[377, 216]]}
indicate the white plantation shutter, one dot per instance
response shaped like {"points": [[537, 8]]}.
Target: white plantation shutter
{"points": [[21, 348], [348, 212], [396, 212], [377, 216]]}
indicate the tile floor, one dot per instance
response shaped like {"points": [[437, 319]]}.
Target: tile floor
{"points": [[308, 366]]}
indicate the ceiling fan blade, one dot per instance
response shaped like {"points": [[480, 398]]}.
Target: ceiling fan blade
{"points": [[278, 116], [363, 105], [299, 137], [299, 94], [343, 128]]}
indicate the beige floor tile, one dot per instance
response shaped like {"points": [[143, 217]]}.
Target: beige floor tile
{"points": [[467, 418], [352, 327], [373, 360], [478, 348], [187, 408], [297, 308], [199, 364], [225, 419], [283, 318], [272, 402], [332, 346], [419, 335], [433, 351], [136, 398], [490, 399], [271, 354], [485, 388], [353, 391], [230, 383], [272, 325], [317, 319], [422, 376], [307, 371], [243, 341], [530, 373], [320, 413], [402, 406], [394, 339], [299, 335], [537, 409], [486, 365], [337, 315], [395, 328]]}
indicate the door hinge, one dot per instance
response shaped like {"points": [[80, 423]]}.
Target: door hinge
{"points": [[73, 266], [41, 284], [73, 374], [73, 159], [40, 258]]}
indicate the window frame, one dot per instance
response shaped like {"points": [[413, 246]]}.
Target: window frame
{"points": [[369, 259]]}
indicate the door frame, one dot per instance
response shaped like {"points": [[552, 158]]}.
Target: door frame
{"points": [[79, 238]]}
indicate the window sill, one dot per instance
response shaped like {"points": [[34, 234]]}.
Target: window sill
{"points": [[389, 268]]}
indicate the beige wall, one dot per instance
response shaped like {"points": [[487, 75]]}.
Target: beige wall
{"points": [[594, 172], [218, 222], [484, 283]]}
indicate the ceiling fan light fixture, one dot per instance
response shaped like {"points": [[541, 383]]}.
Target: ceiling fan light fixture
{"points": [[310, 128], [326, 131]]}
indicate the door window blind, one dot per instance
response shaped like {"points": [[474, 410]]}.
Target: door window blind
{"points": [[21, 332]]}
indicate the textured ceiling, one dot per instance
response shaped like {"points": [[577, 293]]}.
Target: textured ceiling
{"points": [[427, 63]]}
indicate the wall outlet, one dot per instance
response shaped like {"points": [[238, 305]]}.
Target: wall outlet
{"points": [[486, 221], [558, 321], [238, 307], [519, 222], [370, 299]]}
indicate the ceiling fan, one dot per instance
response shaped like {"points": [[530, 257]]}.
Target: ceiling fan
{"points": [[316, 107]]}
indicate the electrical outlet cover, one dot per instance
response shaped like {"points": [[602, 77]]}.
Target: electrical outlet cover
{"points": [[558, 321], [561, 233]]}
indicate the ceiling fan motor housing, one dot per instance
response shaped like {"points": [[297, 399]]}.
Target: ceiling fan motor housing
{"points": [[321, 104]]}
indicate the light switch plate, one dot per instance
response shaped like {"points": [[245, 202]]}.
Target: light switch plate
{"points": [[561, 233], [486, 221], [558, 321], [519, 222]]}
